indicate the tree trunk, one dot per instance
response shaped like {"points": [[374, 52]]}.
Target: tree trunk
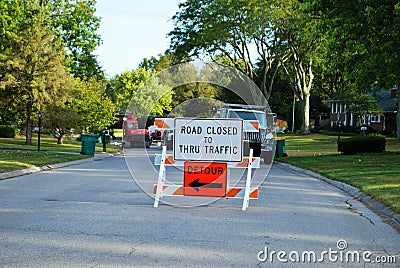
{"points": [[305, 128], [28, 139], [305, 79], [60, 139]]}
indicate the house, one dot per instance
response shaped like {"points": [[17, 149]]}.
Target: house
{"points": [[382, 123]]}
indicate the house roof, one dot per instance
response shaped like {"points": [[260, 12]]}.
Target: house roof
{"points": [[386, 101]]}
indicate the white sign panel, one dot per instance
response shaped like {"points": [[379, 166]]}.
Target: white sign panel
{"points": [[208, 139]]}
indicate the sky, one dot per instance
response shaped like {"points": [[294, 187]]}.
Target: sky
{"points": [[132, 30]]}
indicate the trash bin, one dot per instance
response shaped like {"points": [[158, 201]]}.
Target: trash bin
{"points": [[88, 144], [280, 148]]}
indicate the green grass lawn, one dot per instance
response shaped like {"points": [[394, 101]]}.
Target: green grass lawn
{"points": [[377, 175], [20, 159], [14, 154]]}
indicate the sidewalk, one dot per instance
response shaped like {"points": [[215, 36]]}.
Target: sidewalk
{"points": [[21, 172]]}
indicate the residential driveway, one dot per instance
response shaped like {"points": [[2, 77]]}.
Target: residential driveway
{"points": [[95, 215]]}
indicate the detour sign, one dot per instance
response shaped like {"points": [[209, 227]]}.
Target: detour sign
{"points": [[204, 178]]}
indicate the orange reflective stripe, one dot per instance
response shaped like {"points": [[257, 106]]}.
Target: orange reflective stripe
{"points": [[255, 124], [254, 194], [179, 191], [245, 162], [233, 192], [169, 160], [161, 123]]}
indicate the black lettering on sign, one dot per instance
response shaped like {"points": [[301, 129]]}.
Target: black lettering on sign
{"points": [[191, 130], [189, 149], [205, 170], [222, 149], [222, 130]]}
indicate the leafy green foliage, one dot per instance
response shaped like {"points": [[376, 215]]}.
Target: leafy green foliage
{"points": [[151, 98], [231, 28], [77, 26], [122, 87], [361, 104], [278, 31], [31, 59], [140, 92], [94, 107], [360, 46]]}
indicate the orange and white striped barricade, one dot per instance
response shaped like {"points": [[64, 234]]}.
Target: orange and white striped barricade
{"points": [[164, 123], [233, 192], [164, 189]]}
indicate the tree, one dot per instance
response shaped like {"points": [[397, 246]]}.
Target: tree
{"points": [[31, 58], [59, 119], [363, 37], [140, 87], [209, 28], [150, 98], [164, 61], [303, 41], [95, 109], [58, 113], [277, 30], [383, 19], [343, 54], [77, 25], [122, 87]]}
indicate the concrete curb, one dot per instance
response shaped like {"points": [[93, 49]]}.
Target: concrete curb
{"points": [[22, 172], [375, 206]]}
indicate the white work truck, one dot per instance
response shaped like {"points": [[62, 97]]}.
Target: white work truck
{"points": [[258, 124], [259, 128]]}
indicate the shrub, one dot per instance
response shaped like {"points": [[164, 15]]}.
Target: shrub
{"points": [[7, 132], [362, 144]]}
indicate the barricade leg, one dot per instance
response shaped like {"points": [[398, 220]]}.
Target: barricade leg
{"points": [[161, 177], [248, 181]]}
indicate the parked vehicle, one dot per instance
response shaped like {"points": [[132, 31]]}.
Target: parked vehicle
{"points": [[156, 134], [133, 136]]}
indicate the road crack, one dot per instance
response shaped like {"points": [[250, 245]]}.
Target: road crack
{"points": [[354, 210]]}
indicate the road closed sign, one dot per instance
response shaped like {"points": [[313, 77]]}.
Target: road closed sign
{"points": [[204, 179], [208, 139]]}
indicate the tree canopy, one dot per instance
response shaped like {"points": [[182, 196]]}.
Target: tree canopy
{"points": [[339, 49], [76, 24], [43, 45], [345, 47], [31, 60]]}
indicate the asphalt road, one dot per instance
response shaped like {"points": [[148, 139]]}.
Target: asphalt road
{"points": [[95, 215]]}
